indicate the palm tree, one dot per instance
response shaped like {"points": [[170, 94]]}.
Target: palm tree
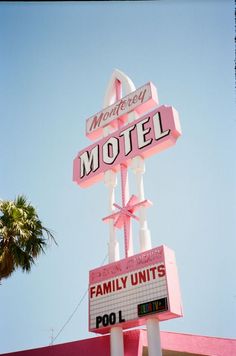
{"points": [[22, 236]]}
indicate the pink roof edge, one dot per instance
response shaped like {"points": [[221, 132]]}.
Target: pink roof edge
{"points": [[198, 344], [134, 341]]}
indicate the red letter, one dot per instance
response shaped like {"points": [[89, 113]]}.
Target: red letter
{"points": [[96, 122], [161, 271], [92, 292], [134, 279]]}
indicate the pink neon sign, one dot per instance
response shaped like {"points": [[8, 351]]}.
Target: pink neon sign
{"points": [[146, 136]]}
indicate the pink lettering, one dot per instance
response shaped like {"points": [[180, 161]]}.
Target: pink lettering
{"points": [[135, 99], [123, 105], [106, 115], [119, 107], [141, 99], [130, 101], [96, 122], [142, 95]]}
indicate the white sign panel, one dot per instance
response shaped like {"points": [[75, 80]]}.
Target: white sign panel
{"points": [[141, 100], [127, 291]]}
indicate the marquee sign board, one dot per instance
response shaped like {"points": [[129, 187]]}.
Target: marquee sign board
{"points": [[141, 100], [126, 292], [152, 133]]}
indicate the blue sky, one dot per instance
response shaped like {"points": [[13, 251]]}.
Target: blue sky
{"points": [[55, 63]]}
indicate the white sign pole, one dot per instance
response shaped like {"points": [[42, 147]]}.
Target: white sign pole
{"points": [[116, 341], [116, 333], [138, 167], [110, 181], [154, 337], [153, 329]]}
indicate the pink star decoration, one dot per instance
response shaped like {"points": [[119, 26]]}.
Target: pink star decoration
{"points": [[124, 214]]}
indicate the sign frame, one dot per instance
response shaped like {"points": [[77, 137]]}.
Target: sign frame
{"points": [[142, 137], [141, 100], [161, 254]]}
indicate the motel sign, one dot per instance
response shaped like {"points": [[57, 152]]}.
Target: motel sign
{"points": [[141, 288]]}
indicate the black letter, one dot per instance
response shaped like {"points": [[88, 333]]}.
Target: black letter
{"points": [[98, 321], [121, 320]]}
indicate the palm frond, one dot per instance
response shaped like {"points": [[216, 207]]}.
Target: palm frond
{"points": [[22, 236]]}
